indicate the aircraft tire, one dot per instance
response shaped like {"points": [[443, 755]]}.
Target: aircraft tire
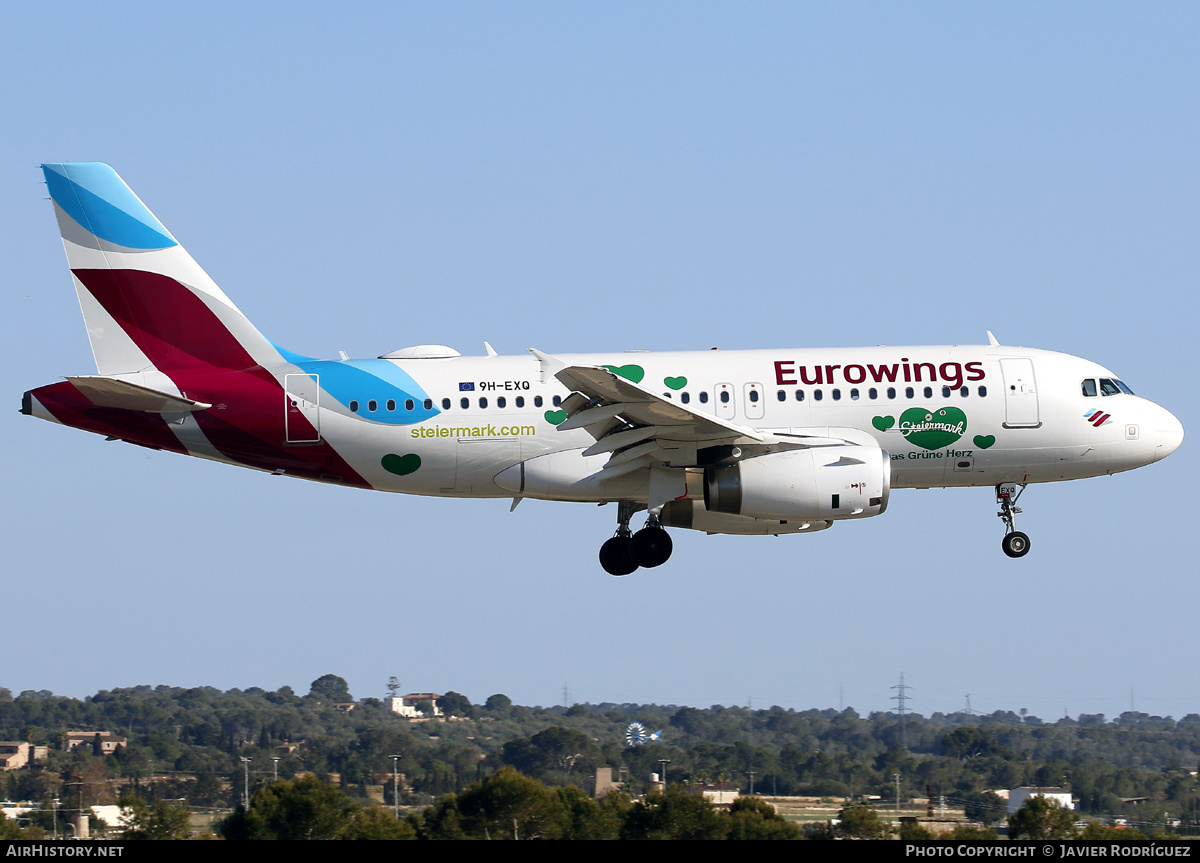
{"points": [[652, 546], [616, 556], [1015, 544]]}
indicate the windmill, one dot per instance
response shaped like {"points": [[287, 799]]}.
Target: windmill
{"points": [[636, 735]]}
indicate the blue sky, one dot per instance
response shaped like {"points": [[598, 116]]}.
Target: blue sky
{"points": [[606, 176]]}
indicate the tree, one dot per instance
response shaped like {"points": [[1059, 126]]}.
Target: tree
{"points": [[455, 704], [553, 749], [10, 829], [860, 821], [331, 688], [162, 819], [673, 815], [302, 809], [755, 818], [1041, 818], [968, 742], [376, 823], [498, 703], [508, 805]]}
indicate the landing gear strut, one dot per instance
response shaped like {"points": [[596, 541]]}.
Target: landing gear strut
{"points": [[1015, 543], [625, 551]]}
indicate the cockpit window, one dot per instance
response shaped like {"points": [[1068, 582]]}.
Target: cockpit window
{"points": [[1089, 387], [1124, 388], [1108, 388]]}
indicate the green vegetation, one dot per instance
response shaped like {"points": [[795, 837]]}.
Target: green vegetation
{"points": [[184, 750]]}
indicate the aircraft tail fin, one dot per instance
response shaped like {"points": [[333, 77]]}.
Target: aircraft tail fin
{"points": [[146, 303]]}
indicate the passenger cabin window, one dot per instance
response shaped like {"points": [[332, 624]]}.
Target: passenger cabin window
{"points": [[945, 392], [557, 401], [837, 395], [854, 394], [781, 396], [928, 392], [703, 397], [409, 404], [428, 404], [482, 401], [372, 406], [537, 401], [724, 397], [353, 406], [817, 396], [982, 392], [465, 402], [501, 402], [891, 392], [873, 393], [964, 392], [685, 398], [799, 395], [753, 397], [908, 392], [1089, 387], [445, 404], [520, 401]]}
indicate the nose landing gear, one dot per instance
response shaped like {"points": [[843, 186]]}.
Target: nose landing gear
{"points": [[1015, 543], [625, 551]]}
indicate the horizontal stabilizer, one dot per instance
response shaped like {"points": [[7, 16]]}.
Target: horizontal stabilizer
{"points": [[112, 393]]}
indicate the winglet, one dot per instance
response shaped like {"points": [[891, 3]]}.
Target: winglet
{"points": [[992, 340], [550, 365]]}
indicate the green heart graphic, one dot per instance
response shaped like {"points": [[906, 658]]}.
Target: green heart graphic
{"points": [[629, 372], [401, 465], [883, 423], [983, 441], [555, 417], [933, 429], [676, 383]]}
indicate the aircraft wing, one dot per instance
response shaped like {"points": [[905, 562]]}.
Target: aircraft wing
{"points": [[640, 428], [614, 397]]}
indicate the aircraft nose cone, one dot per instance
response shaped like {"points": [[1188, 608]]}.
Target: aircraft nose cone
{"points": [[1168, 435]]}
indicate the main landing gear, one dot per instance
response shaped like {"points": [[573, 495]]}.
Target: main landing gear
{"points": [[626, 551], [1015, 543]]}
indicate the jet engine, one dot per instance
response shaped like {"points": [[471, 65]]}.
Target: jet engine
{"points": [[834, 482]]}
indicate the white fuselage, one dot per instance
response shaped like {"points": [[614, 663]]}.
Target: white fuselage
{"points": [[948, 416]]}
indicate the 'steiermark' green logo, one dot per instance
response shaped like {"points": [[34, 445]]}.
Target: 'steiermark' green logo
{"points": [[933, 429]]}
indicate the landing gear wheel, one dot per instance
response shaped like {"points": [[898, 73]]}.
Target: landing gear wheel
{"points": [[616, 555], [1015, 544], [651, 546]]}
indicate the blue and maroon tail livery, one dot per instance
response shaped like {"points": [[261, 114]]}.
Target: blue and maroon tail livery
{"points": [[146, 303], [179, 366]]}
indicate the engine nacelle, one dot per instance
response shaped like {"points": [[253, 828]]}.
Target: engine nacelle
{"points": [[692, 515], [833, 483]]}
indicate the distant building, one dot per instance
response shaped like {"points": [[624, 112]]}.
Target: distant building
{"points": [[14, 756], [720, 794], [406, 705], [605, 784], [108, 742], [1018, 796]]}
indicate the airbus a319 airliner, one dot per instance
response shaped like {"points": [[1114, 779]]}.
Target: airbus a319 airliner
{"points": [[736, 442]]}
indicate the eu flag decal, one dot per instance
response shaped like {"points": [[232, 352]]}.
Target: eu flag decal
{"points": [[466, 387]]}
